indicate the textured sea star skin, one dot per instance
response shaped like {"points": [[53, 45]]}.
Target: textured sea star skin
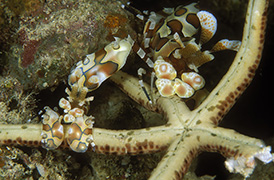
{"points": [[186, 133]]}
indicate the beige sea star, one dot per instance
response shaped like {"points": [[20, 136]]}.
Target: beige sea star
{"points": [[187, 132]]}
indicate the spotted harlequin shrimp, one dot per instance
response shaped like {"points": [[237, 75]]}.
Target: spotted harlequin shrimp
{"points": [[52, 131], [98, 66], [80, 134], [87, 76], [171, 45]]}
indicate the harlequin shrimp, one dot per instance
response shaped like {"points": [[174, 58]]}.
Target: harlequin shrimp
{"points": [[87, 76], [97, 67], [170, 46]]}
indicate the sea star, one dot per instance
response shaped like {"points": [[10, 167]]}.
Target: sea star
{"points": [[187, 132]]}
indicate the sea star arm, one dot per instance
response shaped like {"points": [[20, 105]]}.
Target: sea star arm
{"points": [[239, 150], [168, 106], [133, 141], [243, 68], [107, 141], [130, 87]]}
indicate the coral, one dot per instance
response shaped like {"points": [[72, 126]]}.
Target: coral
{"points": [[116, 25], [114, 21], [8, 23], [123, 167], [28, 53], [53, 35], [12, 169], [16, 164], [16, 106]]}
